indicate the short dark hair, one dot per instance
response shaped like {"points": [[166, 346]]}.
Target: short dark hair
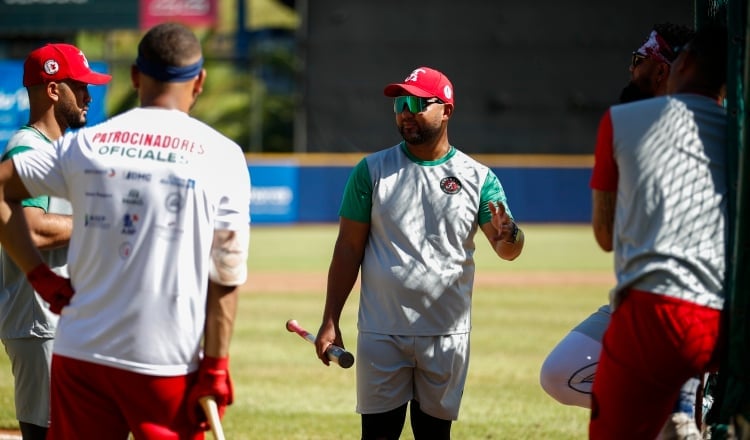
{"points": [[709, 47], [675, 35], [170, 44]]}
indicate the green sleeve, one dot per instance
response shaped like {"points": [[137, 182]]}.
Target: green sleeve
{"points": [[356, 203], [493, 191], [41, 202]]}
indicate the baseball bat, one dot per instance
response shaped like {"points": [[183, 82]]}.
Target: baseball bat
{"points": [[335, 353], [212, 414]]}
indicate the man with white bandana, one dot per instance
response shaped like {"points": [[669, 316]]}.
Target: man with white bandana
{"points": [[568, 372], [650, 63], [659, 189]]}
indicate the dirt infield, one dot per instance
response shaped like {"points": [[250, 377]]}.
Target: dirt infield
{"points": [[301, 282]]}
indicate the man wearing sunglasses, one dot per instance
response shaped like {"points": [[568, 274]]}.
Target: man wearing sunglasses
{"points": [[567, 373], [659, 195], [650, 63], [407, 221]]}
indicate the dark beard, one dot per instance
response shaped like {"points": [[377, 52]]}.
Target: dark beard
{"points": [[422, 136], [68, 115], [632, 92], [76, 123]]}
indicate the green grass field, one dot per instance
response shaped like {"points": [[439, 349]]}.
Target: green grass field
{"points": [[521, 310]]}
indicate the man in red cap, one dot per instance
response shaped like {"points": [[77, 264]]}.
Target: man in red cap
{"points": [[158, 253], [407, 222], [56, 77], [60, 62]]}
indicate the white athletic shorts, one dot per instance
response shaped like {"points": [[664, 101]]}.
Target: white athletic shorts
{"points": [[30, 360], [392, 370]]}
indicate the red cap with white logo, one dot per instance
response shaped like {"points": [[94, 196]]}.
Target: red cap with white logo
{"points": [[58, 61], [423, 82]]}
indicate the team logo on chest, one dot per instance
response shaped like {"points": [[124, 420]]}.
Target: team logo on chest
{"points": [[450, 185]]}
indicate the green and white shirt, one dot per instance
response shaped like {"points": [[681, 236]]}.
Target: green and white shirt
{"points": [[23, 313], [418, 267]]}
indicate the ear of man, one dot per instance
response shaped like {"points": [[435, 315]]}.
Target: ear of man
{"points": [[198, 84], [663, 71], [53, 91], [447, 110]]}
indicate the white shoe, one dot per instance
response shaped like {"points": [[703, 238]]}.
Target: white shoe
{"points": [[680, 426]]}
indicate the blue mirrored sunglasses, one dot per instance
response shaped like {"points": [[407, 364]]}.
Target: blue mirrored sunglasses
{"points": [[414, 104]]}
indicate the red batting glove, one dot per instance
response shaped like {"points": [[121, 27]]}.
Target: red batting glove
{"points": [[213, 380], [53, 288]]}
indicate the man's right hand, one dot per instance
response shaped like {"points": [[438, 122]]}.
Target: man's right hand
{"points": [[53, 288], [214, 381]]}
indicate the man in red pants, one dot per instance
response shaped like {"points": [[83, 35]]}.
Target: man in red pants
{"points": [[659, 195]]}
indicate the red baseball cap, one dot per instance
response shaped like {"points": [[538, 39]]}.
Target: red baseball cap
{"points": [[423, 82], [56, 62]]}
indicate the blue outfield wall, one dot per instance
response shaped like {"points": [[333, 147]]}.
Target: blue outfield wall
{"points": [[547, 195], [288, 192]]}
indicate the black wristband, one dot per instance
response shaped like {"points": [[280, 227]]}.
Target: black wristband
{"points": [[514, 233]]}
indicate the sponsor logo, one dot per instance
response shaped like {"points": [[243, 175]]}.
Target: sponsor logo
{"points": [[450, 185], [178, 182], [125, 250], [174, 202], [109, 173], [272, 200], [96, 221], [98, 194], [129, 223], [134, 175], [272, 195], [133, 198]]}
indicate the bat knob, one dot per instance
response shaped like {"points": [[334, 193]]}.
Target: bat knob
{"points": [[291, 324], [346, 360]]}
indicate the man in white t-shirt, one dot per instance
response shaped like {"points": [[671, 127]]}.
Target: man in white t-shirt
{"points": [[159, 248]]}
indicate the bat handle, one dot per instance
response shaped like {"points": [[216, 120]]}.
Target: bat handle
{"points": [[212, 415], [335, 353], [342, 357]]}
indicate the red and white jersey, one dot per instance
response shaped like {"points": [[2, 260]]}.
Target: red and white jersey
{"points": [[148, 189], [665, 158]]}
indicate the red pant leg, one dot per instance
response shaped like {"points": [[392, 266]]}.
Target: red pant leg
{"points": [[652, 346]]}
